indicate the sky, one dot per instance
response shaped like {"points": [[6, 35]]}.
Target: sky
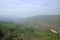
{"points": [[28, 8]]}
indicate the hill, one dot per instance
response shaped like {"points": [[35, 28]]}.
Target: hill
{"points": [[17, 32], [42, 22]]}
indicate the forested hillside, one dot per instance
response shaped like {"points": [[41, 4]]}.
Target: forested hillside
{"points": [[32, 28], [42, 22], [9, 31]]}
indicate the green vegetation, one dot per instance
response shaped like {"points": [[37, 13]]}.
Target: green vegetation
{"points": [[10, 31]]}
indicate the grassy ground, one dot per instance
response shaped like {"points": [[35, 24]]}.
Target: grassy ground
{"points": [[43, 36]]}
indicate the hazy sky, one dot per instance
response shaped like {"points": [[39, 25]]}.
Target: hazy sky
{"points": [[27, 8]]}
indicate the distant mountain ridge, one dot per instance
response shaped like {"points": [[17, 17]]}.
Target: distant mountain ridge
{"points": [[40, 18]]}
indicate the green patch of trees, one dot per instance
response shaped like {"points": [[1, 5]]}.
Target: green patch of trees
{"points": [[15, 32]]}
